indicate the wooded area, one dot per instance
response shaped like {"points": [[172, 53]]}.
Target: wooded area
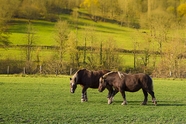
{"points": [[162, 52]]}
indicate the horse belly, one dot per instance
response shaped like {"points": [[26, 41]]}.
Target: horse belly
{"points": [[133, 88], [94, 85]]}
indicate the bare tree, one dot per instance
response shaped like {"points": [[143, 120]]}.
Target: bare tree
{"points": [[30, 40], [73, 50], [61, 36], [160, 25], [110, 56]]}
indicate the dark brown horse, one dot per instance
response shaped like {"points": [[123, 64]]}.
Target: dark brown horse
{"points": [[87, 79], [122, 82]]}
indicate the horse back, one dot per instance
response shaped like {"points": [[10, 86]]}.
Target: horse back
{"points": [[134, 82], [90, 78], [95, 76], [145, 80]]}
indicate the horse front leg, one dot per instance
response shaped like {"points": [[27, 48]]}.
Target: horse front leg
{"points": [[111, 94], [124, 98], [110, 91], [110, 100], [84, 97]]}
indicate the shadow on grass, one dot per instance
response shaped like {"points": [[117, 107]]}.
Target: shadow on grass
{"points": [[170, 103], [159, 103], [1, 83]]}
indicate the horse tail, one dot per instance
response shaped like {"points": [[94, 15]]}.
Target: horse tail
{"points": [[152, 84]]}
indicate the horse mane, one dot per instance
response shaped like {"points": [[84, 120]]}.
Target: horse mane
{"points": [[120, 75], [75, 76], [107, 74]]}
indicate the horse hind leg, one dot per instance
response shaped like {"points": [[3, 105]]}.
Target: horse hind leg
{"points": [[154, 101], [145, 97], [153, 97]]}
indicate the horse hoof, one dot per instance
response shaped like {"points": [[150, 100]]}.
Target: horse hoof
{"points": [[143, 103], [110, 101], [155, 103], [84, 100], [124, 103]]}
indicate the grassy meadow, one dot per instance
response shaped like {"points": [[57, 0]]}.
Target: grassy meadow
{"points": [[45, 32], [48, 100]]}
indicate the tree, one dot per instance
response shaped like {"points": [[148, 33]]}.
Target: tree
{"points": [[182, 10], [30, 38], [143, 50], [73, 50], [61, 36], [75, 16], [90, 37], [110, 56], [160, 25], [92, 7], [129, 12], [32, 9], [7, 9]]}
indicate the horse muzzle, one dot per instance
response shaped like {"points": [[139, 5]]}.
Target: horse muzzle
{"points": [[72, 90], [100, 90]]}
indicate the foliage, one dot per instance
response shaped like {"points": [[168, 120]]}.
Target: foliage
{"points": [[182, 9], [73, 50], [6, 12], [48, 100]]}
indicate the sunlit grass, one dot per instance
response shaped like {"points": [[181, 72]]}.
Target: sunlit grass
{"points": [[48, 100], [44, 32]]}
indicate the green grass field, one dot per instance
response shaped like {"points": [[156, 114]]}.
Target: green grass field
{"points": [[48, 100], [123, 36]]}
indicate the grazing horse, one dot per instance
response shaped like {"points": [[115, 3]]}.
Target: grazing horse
{"points": [[122, 82], [87, 79]]}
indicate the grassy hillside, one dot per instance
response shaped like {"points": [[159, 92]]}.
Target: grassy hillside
{"points": [[124, 38], [44, 36], [45, 31]]}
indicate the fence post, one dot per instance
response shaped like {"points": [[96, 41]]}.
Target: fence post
{"points": [[40, 69], [8, 70], [70, 71], [24, 70]]}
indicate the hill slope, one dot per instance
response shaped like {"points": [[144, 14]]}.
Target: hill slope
{"points": [[123, 36]]}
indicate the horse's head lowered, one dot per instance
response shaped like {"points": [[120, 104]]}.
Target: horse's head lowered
{"points": [[73, 82], [102, 84]]}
